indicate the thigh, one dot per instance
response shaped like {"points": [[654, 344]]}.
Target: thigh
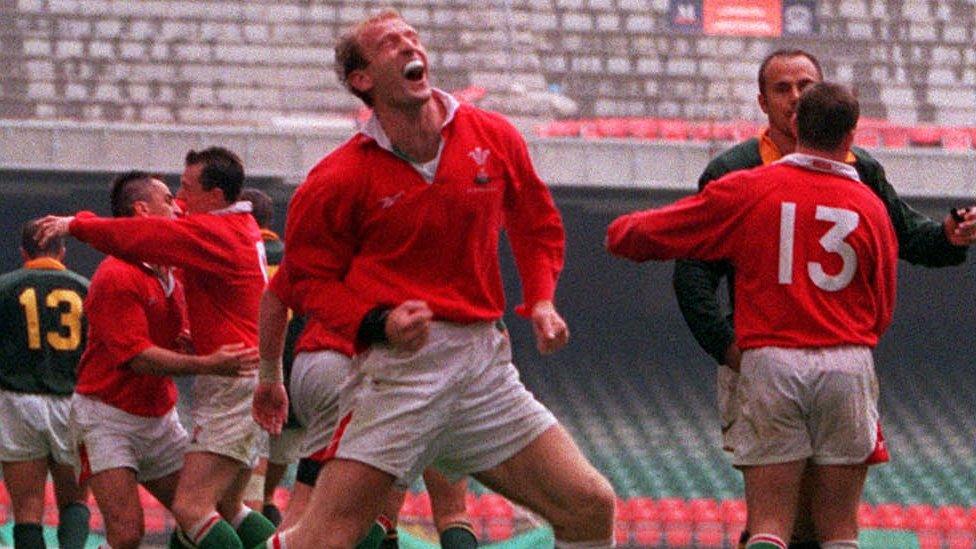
{"points": [[25, 482], [347, 498], [116, 492], [317, 382], [205, 477], [163, 489], [66, 487], [549, 476], [772, 494], [836, 495], [447, 499]]}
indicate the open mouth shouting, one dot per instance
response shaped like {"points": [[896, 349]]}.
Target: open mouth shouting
{"points": [[414, 70]]}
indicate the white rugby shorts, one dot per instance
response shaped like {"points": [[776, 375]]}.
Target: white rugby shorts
{"points": [[795, 404], [35, 426], [222, 422], [107, 437], [456, 404], [317, 381]]}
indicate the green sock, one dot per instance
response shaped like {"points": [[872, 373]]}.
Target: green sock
{"points": [[28, 535], [373, 539], [73, 525], [255, 529], [459, 536], [762, 545], [221, 536]]}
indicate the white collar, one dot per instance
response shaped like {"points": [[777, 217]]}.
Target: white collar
{"points": [[373, 129], [241, 206], [164, 275], [820, 164]]}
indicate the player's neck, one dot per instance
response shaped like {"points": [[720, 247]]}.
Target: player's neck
{"points": [[838, 155], [786, 144], [414, 132]]}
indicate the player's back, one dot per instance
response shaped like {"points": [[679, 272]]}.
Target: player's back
{"points": [[815, 261], [42, 328]]}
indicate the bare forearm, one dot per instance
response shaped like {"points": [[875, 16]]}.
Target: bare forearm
{"points": [[163, 362], [272, 328]]}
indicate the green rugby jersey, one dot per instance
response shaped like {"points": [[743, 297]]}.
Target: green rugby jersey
{"points": [[42, 328]]}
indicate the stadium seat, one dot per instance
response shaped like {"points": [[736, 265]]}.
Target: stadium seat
{"points": [[925, 136], [867, 137], [895, 137], [673, 129], [956, 139], [644, 128]]}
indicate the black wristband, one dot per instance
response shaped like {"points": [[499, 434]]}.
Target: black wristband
{"points": [[372, 329]]}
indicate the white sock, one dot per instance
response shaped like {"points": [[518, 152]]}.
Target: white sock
{"points": [[242, 514], [200, 529], [766, 538], [277, 541], [840, 544], [597, 544]]}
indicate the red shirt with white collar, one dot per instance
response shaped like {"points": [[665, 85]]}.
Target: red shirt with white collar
{"points": [[814, 251], [130, 308], [221, 257], [366, 228]]}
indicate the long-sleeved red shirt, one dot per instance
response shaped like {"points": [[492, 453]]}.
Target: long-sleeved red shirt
{"points": [[814, 251], [221, 255], [129, 310], [366, 229]]}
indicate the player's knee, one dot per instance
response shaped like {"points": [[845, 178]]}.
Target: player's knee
{"points": [[589, 513]]}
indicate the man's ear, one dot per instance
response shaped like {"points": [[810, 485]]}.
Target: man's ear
{"points": [[140, 208], [761, 99], [360, 81]]}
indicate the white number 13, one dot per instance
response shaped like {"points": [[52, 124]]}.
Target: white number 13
{"points": [[845, 221]]}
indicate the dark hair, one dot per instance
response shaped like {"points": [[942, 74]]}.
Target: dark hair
{"points": [[262, 207], [221, 169], [786, 53], [28, 241], [826, 113], [349, 54], [128, 188]]}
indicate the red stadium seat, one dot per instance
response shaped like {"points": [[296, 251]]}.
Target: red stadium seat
{"points": [[498, 531], [613, 127], [956, 139], [710, 535], [929, 540], [673, 130], [867, 517], [867, 137], [895, 137], [733, 513], [416, 506], [678, 534], [925, 136], [745, 129], [891, 515], [648, 535], [644, 128]]}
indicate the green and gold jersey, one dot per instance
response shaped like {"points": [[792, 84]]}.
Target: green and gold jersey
{"points": [[42, 328]]}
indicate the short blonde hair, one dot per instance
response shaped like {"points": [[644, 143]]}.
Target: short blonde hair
{"points": [[349, 55]]}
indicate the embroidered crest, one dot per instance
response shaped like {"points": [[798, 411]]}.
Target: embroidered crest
{"points": [[480, 157]]}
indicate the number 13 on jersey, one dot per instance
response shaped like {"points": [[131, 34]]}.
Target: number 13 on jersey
{"points": [[845, 222]]}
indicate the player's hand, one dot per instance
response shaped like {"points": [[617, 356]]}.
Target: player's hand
{"points": [[961, 233], [51, 227], [733, 357], [233, 360], [408, 325], [551, 332], [270, 406]]}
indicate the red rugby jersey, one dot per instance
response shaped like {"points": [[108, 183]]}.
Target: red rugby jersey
{"points": [[129, 310], [814, 251], [366, 229], [220, 254]]}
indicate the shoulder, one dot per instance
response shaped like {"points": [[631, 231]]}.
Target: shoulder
{"points": [[741, 156], [341, 163], [471, 118], [72, 277], [867, 166]]}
